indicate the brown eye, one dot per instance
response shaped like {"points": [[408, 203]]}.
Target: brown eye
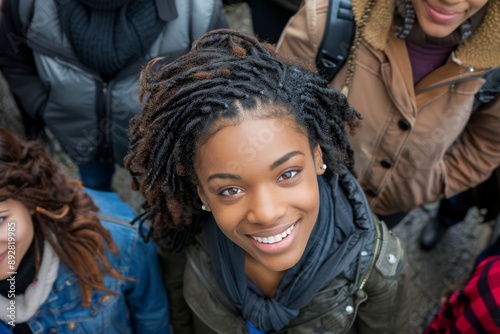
{"points": [[288, 175], [230, 191]]}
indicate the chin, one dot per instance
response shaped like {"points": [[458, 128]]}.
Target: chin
{"points": [[437, 32], [282, 263]]}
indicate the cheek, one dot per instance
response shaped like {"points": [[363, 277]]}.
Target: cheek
{"points": [[24, 234], [227, 219], [309, 195], [478, 6], [311, 206]]}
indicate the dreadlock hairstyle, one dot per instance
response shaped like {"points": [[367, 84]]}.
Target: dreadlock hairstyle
{"points": [[63, 214], [226, 77]]}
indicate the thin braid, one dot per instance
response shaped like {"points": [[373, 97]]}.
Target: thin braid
{"points": [[222, 80]]}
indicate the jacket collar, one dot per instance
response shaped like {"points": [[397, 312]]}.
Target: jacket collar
{"points": [[481, 50]]}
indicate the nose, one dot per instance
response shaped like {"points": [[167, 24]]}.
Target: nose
{"points": [[266, 205]]}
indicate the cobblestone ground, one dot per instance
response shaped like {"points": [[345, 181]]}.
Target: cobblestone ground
{"points": [[435, 271]]}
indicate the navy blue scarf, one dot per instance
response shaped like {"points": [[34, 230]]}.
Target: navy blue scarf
{"points": [[331, 248]]}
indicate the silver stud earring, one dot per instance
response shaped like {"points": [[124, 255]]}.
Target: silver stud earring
{"points": [[323, 167], [203, 207]]}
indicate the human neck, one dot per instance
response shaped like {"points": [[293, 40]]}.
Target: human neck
{"points": [[266, 280]]}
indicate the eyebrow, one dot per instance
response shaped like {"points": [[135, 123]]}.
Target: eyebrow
{"points": [[284, 159], [2, 211], [275, 164], [224, 176]]}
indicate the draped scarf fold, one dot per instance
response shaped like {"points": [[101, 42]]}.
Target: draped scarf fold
{"points": [[107, 35], [332, 246]]}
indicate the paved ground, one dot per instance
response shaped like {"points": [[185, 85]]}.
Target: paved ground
{"points": [[436, 271]]}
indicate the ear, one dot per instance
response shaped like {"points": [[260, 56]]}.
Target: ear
{"points": [[203, 198], [318, 160]]}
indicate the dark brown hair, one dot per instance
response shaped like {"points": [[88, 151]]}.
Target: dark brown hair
{"points": [[63, 214]]}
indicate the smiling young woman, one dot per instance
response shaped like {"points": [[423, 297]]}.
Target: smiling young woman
{"points": [[254, 204], [247, 173]]}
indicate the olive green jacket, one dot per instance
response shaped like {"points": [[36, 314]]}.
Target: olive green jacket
{"points": [[375, 302]]}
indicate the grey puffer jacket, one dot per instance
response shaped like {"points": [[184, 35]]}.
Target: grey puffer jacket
{"points": [[369, 296], [88, 116]]}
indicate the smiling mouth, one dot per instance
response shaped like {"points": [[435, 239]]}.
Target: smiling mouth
{"points": [[442, 15], [275, 238]]}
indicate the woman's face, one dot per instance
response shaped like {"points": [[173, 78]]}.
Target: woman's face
{"points": [[16, 235], [439, 18], [259, 180]]}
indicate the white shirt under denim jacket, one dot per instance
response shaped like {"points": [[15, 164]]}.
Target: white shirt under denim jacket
{"points": [[140, 306]]}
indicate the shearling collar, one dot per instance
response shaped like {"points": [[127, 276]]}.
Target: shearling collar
{"points": [[481, 50]]}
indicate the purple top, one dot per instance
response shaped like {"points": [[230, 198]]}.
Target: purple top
{"points": [[426, 58]]}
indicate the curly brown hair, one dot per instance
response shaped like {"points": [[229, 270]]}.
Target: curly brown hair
{"points": [[64, 215]]}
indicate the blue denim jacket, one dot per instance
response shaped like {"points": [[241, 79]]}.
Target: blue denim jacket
{"points": [[140, 307]]}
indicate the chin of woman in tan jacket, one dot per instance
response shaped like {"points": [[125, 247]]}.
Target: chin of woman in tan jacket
{"points": [[413, 71]]}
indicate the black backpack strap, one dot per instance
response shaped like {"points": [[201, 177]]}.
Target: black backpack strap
{"points": [[337, 38]]}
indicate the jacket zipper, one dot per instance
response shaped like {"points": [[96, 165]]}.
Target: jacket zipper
{"points": [[376, 251], [375, 254], [103, 122]]}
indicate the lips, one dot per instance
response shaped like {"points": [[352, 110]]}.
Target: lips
{"points": [[442, 15], [274, 238]]}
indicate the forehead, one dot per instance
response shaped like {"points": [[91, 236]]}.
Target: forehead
{"points": [[251, 142], [11, 205]]}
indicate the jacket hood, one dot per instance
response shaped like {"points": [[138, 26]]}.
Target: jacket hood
{"points": [[481, 50]]}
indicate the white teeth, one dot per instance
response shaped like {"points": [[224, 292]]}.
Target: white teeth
{"points": [[275, 238]]}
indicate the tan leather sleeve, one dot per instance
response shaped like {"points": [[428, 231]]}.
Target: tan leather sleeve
{"points": [[302, 34], [477, 152]]}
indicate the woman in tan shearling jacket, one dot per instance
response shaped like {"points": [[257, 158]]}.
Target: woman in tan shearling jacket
{"points": [[419, 140]]}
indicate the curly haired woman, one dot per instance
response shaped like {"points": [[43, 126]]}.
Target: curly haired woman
{"points": [[69, 261]]}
